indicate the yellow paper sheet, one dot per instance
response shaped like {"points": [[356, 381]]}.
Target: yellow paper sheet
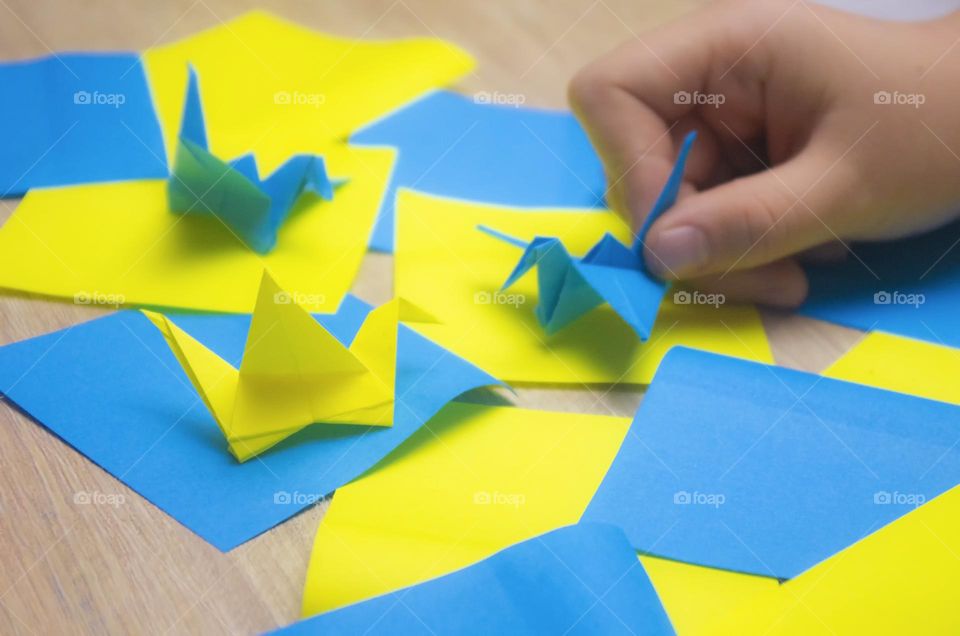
{"points": [[117, 243], [903, 578], [902, 364], [275, 88], [444, 264], [899, 580], [696, 597], [474, 480]]}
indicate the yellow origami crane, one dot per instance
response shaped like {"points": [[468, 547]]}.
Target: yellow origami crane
{"points": [[294, 372]]}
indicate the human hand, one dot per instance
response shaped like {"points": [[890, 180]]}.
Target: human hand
{"points": [[815, 128]]}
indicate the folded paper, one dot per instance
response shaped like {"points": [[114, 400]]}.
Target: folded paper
{"points": [[482, 149], [509, 474], [118, 243], [582, 579], [446, 266], [909, 287], [766, 470], [277, 89], [251, 208], [113, 390], [77, 118], [899, 580], [609, 273], [294, 372]]}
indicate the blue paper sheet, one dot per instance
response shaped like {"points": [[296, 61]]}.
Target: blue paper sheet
{"points": [[909, 287], [583, 579], [77, 118], [478, 149], [610, 272], [253, 208], [112, 389], [765, 470]]}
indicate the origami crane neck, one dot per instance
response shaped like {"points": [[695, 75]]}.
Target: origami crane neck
{"points": [[294, 372], [669, 193], [193, 127]]}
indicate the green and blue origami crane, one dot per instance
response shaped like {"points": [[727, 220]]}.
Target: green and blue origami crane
{"points": [[252, 208]]}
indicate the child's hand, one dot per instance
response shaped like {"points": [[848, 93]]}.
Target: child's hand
{"points": [[859, 119]]}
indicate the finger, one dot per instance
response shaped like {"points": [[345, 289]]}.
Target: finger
{"points": [[630, 100], [826, 254], [752, 220], [782, 284]]}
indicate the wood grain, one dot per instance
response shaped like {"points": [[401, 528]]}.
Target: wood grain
{"points": [[129, 568]]}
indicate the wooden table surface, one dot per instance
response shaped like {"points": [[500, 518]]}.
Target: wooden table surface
{"points": [[129, 568]]}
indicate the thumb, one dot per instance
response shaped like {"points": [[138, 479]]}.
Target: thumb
{"points": [[750, 221]]}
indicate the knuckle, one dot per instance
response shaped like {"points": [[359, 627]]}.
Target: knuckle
{"points": [[588, 86], [582, 85]]}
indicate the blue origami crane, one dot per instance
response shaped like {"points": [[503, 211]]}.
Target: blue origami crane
{"points": [[610, 272], [252, 208]]}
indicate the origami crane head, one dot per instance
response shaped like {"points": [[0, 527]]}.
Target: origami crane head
{"points": [[610, 272], [294, 372], [252, 208]]}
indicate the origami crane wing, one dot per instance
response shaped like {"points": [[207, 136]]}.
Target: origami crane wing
{"points": [[610, 272], [618, 275], [252, 208]]}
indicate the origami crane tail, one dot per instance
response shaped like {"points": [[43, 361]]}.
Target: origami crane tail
{"points": [[506, 238], [214, 379], [530, 257], [377, 341]]}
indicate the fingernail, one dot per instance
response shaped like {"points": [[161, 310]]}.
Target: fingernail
{"points": [[677, 252]]}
